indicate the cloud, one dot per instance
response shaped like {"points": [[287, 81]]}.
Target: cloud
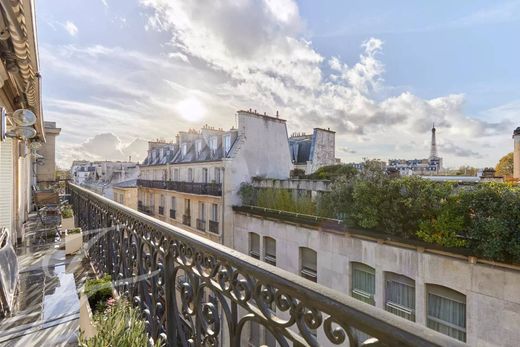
{"points": [[71, 28], [223, 59], [453, 149], [105, 146]]}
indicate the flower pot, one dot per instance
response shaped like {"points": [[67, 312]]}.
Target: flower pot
{"points": [[67, 223], [86, 318], [73, 242]]}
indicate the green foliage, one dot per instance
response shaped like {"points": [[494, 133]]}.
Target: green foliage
{"points": [[493, 220], [248, 194], [73, 231], [119, 325], [282, 199], [67, 212], [505, 165], [333, 172], [98, 292]]}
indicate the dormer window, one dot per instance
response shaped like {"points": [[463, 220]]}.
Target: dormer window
{"points": [[199, 147], [213, 143], [227, 143], [184, 149]]}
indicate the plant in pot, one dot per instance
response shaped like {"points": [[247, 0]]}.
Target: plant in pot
{"points": [[95, 298], [119, 324], [73, 240], [67, 217]]}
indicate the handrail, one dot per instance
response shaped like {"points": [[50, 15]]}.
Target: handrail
{"points": [[245, 288], [201, 188]]}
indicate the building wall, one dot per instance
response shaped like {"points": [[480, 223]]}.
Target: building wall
{"points": [[323, 152], [262, 149], [516, 156], [492, 294], [46, 171], [145, 194], [125, 196]]}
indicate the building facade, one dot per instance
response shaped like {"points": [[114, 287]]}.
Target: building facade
{"points": [[21, 127], [46, 159], [469, 299], [125, 193], [310, 152], [194, 181]]}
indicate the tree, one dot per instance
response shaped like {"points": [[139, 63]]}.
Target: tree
{"points": [[505, 165]]}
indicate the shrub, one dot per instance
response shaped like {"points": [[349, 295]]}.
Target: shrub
{"points": [[73, 231], [119, 325], [98, 292], [333, 172], [67, 212]]}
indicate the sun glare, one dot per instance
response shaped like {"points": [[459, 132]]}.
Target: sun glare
{"points": [[191, 109]]}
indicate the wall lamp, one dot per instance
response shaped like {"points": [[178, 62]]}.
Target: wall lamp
{"points": [[23, 119]]}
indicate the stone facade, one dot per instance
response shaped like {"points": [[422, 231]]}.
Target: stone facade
{"points": [[310, 152], [490, 291], [46, 165], [198, 176]]}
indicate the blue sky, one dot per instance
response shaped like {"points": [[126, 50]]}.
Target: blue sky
{"points": [[118, 72]]}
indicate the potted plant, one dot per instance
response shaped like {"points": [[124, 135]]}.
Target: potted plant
{"points": [[73, 240], [95, 297], [67, 217], [119, 324]]}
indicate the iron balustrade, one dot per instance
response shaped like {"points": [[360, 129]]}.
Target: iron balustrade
{"points": [[161, 210], [186, 219], [201, 224], [170, 273], [213, 226], [214, 189], [172, 214]]}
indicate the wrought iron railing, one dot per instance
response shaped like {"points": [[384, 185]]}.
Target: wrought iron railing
{"points": [[172, 213], [186, 219], [184, 187], [170, 273], [161, 210], [201, 224], [213, 226]]}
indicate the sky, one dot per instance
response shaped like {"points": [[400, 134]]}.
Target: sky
{"points": [[117, 73]]}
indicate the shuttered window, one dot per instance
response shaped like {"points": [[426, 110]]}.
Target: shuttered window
{"points": [[400, 295], [363, 283], [6, 184]]}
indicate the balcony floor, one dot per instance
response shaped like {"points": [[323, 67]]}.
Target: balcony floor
{"points": [[46, 312]]}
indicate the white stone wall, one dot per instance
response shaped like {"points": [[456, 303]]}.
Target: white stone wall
{"points": [[262, 149], [324, 150], [492, 292]]}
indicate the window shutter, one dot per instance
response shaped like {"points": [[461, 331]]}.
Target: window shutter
{"points": [[6, 184]]}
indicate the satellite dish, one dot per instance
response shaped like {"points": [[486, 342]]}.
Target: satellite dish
{"points": [[24, 133], [24, 117]]}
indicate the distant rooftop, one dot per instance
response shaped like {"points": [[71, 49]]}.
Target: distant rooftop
{"points": [[126, 184]]}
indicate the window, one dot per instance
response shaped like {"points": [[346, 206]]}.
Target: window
{"points": [[176, 174], [308, 264], [446, 311], [190, 175], [213, 143], [163, 201], [198, 147], [214, 212], [400, 295], [174, 203], [363, 283], [217, 175], [227, 143], [187, 207], [204, 175], [270, 250], [202, 211], [254, 245], [184, 149]]}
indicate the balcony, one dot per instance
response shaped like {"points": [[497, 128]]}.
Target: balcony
{"points": [[186, 219], [213, 226], [172, 214], [201, 224], [169, 273], [214, 189]]}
